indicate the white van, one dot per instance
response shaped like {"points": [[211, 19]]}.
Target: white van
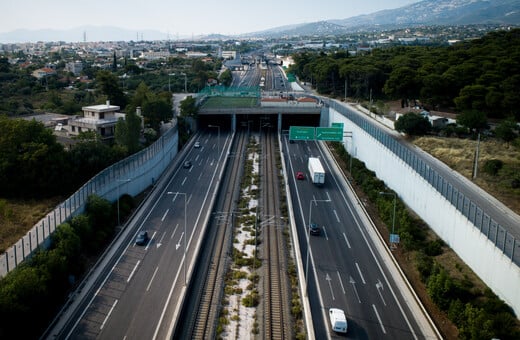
{"points": [[338, 321]]}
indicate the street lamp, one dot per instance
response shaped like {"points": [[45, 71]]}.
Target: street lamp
{"points": [[308, 241], [218, 137], [185, 81], [393, 218], [349, 134], [185, 234], [169, 77], [124, 181]]}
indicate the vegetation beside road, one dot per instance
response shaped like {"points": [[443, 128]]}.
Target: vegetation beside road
{"points": [[35, 291], [501, 181], [458, 301]]}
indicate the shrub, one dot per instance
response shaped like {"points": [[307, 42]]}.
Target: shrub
{"points": [[434, 248], [492, 166], [424, 264]]}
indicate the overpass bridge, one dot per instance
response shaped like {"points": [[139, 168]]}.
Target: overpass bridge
{"points": [[240, 107]]}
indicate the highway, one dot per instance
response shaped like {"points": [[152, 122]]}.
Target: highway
{"points": [[345, 268], [137, 299], [139, 292]]}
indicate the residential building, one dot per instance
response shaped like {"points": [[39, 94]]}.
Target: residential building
{"points": [[101, 119]]}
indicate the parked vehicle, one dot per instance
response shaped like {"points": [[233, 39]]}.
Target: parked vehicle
{"points": [[316, 171], [338, 321]]}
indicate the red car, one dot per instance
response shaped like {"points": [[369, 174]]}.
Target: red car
{"points": [[300, 175]]}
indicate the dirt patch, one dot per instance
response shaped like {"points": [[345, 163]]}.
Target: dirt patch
{"points": [[18, 217], [459, 155]]}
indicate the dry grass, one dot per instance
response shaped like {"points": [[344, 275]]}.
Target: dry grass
{"points": [[18, 217], [459, 154]]}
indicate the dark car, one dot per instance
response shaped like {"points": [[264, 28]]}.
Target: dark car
{"points": [[141, 238], [314, 229], [300, 176], [187, 165]]}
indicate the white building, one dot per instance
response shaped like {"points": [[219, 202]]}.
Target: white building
{"points": [[101, 119]]}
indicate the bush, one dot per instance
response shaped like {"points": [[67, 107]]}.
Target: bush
{"points": [[434, 248], [424, 264], [492, 166]]}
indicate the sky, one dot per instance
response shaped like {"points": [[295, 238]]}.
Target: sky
{"points": [[182, 17]]}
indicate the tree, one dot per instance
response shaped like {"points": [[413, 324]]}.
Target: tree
{"points": [[226, 77], [413, 124], [472, 97], [474, 120], [156, 111], [403, 83], [506, 130], [128, 131], [108, 83], [32, 162], [188, 106]]}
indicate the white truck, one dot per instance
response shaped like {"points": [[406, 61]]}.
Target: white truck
{"points": [[338, 321], [316, 171]]}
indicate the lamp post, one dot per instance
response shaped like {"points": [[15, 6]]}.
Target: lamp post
{"points": [[185, 81], [218, 142], [185, 234], [169, 77], [118, 181], [307, 233], [349, 134], [393, 218]]}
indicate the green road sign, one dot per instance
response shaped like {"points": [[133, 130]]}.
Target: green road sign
{"points": [[330, 134], [337, 125], [301, 133]]}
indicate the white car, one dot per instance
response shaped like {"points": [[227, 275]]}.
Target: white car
{"points": [[197, 144]]}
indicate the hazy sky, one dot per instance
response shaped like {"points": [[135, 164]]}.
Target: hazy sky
{"points": [[182, 17]]}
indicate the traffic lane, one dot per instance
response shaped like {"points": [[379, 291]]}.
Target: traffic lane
{"points": [[330, 218], [163, 268], [348, 283], [152, 224], [139, 299], [367, 271], [113, 288]]}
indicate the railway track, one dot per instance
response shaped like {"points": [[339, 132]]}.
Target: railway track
{"points": [[277, 317], [210, 296], [275, 313]]}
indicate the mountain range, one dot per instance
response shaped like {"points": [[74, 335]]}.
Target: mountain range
{"points": [[426, 12]]}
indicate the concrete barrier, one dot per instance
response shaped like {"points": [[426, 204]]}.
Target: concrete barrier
{"points": [[488, 261]]}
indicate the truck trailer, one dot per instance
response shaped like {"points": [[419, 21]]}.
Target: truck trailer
{"points": [[316, 171]]}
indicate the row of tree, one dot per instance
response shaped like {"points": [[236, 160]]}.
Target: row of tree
{"points": [[481, 75], [21, 93]]}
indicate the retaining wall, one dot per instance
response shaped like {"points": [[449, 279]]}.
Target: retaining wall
{"points": [[129, 176], [491, 252]]}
